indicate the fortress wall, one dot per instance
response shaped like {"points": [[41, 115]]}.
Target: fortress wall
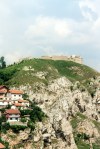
{"points": [[76, 59]]}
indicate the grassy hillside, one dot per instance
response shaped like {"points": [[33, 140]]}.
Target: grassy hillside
{"points": [[25, 71]]}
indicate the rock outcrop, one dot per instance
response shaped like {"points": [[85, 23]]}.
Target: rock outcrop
{"points": [[61, 100]]}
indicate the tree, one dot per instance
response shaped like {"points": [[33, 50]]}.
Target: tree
{"points": [[2, 62], [25, 96]]}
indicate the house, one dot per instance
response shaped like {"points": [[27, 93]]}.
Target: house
{"points": [[2, 146], [24, 102], [17, 106], [3, 91], [12, 115], [5, 103], [14, 95]]}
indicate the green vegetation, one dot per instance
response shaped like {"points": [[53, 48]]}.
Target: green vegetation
{"points": [[25, 96], [17, 128], [20, 145], [35, 115], [17, 75], [95, 146], [83, 117], [82, 145], [79, 117], [80, 139], [2, 63], [97, 125]]}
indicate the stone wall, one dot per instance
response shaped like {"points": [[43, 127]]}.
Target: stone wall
{"points": [[73, 58]]}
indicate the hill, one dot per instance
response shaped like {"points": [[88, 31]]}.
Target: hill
{"points": [[38, 70], [67, 93]]}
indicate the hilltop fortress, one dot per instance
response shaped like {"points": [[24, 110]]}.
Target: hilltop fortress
{"points": [[73, 58]]}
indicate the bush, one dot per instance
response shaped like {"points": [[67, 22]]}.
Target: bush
{"points": [[31, 125], [81, 136], [5, 127], [25, 96], [23, 120], [17, 128], [36, 114]]}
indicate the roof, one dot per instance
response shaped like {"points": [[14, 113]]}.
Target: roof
{"points": [[21, 100], [1, 146], [18, 105], [1, 86], [2, 90], [16, 92], [12, 111]]}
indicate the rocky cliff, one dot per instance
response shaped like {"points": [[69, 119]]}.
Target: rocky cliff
{"points": [[72, 111]]}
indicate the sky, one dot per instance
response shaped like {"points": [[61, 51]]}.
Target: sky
{"points": [[33, 28]]}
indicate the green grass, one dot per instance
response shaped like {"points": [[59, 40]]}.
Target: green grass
{"points": [[97, 125], [83, 117], [95, 146], [82, 145], [79, 117]]}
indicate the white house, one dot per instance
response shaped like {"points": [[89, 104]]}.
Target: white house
{"points": [[12, 115], [14, 94]]}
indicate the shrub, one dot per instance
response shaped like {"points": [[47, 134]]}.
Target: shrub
{"points": [[31, 125], [81, 136], [17, 128], [23, 120]]}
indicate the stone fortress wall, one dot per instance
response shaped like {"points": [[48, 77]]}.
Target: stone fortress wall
{"points": [[73, 58]]}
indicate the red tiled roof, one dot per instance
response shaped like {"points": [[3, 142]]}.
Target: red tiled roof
{"points": [[21, 100], [1, 86], [2, 146], [16, 92], [2, 89], [18, 105], [12, 111]]}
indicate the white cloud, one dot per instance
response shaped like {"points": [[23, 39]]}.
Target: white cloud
{"points": [[47, 26], [88, 9], [87, 3], [47, 30]]}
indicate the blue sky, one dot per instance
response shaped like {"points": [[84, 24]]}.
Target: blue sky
{"points": [[50, 27]]}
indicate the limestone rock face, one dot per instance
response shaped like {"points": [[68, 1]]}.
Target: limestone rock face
{"points": [[23, 135], [60, 103]]}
